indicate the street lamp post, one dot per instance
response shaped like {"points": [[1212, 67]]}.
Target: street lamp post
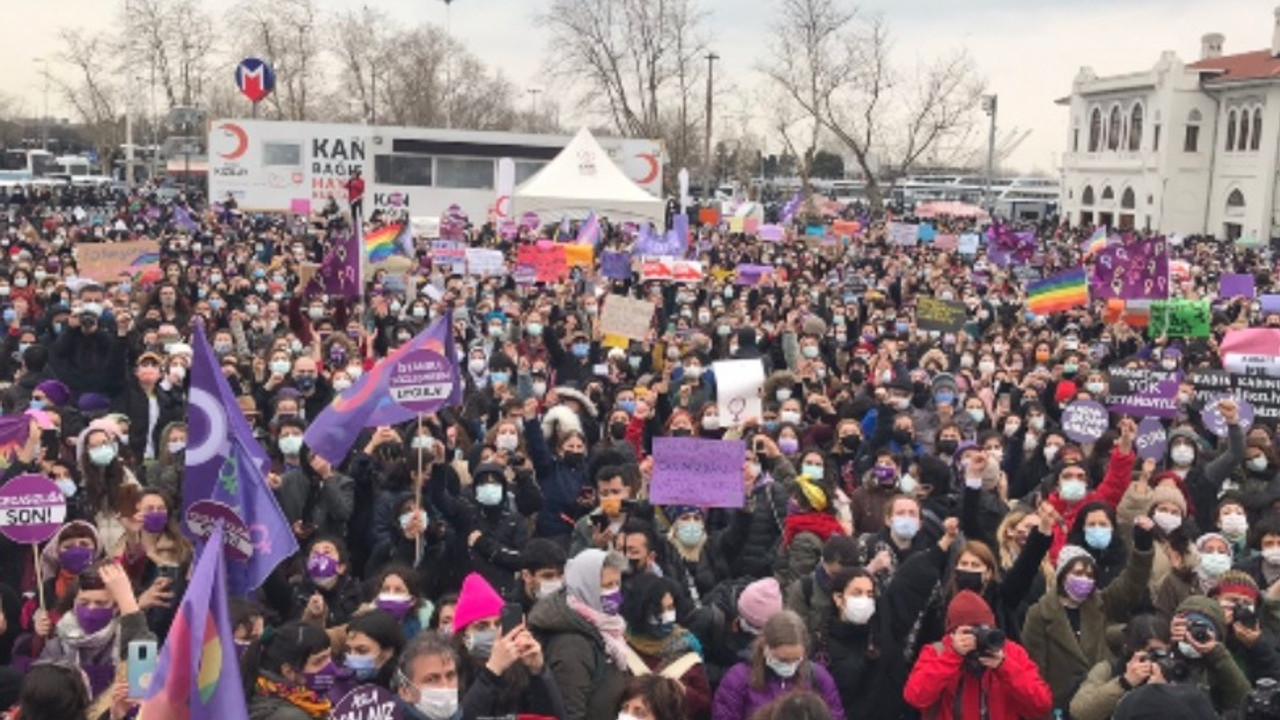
{"points": [[44, 118], [989, 103], [706, 158]]}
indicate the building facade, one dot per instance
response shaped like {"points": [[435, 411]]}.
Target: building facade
{"points": [[1185, 148]]}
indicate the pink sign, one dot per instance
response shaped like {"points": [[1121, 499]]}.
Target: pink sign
{"points": [[300, 206]]}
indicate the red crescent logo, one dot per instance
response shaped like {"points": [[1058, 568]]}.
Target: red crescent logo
{"points": [[242, 140], [498, 206], [653, 167]]}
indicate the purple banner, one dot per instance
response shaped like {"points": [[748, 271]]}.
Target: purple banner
{"points": [[1134, 271], [615, 265], [339, 274], [693, 471], [752, 275], [1233, 285]]}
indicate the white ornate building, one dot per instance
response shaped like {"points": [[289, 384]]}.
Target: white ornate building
{"points": [[1180, 148]]}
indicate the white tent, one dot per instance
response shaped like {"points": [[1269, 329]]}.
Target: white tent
{"points": [[583, 179]]}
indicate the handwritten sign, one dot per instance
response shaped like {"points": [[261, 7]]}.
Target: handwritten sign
{"points": [[738, 384], [106, 261], [1084, 421], [752, 275], [485, 262], [815, 231], [684, 271], [940, 315], [845, 228], [967, 244], [32, 508], [1180, 318], [946, 241], [708, 216], [616, 265], [626, 317], [547, 260], [1152, 439], [367, 702], [1215, 423], [449, 252], [693, 471]]}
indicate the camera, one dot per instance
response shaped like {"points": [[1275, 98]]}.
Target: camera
{"points": [[1262, 702], [987, 640], [1200, 630], [1246, 615], [1172, 667]]}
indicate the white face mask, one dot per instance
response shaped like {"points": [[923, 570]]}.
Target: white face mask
{"points": [[1214, 564], [789, 416], [1167, 521], [437, 703], [1235, 525], [858, 610], [1182, 455], [547, 588]]}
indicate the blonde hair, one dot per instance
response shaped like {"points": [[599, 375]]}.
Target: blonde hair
{"points": [[1006, 544]]}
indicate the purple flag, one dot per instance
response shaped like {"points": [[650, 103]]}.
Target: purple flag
{"points": [[226, 466], [183, 220], [339, 274], [1133, 271], [589, 231], [197, 674], [1006, 247], [789, 210], [649, 244], [616, 265], [368, 402], [14, 432]]}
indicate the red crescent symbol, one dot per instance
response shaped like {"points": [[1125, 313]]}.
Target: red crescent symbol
{"points": [[653, 167], [497, 207], [242, 140]]}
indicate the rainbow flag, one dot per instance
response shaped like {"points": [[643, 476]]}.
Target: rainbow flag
{"points": [[382, 243], [1096, 242], [1060, 292]]}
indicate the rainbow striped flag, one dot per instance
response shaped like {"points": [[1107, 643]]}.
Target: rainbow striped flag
{"points": [[1096, 242], [382, 243], [1060, 292]]}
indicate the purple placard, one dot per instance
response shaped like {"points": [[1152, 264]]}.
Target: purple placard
{"points": [[1213, 421], [32, 508], [1152, 439], [1085, 421], [1270, 303], [752, 275], [1134, 271], [615, 265], [367, 702], [1234, 285], [530, 221], [421, 381], [203, 517], [1144, 393], [771, 233], [693, 471]]}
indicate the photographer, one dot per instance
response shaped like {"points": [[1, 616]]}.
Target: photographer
{"points": [[1252, 646], [974, 672], [1195, 632], [1146, 653]]}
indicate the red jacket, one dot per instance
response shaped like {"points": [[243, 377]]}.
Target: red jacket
{"points": [[1110, 491], [1014, 691]]}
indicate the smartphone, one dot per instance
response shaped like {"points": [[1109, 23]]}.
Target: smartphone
{"points": [[142, 665], [512, 616]]}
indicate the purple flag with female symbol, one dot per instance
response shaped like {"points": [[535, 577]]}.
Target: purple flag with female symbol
{"points": [[1132, 271], [339, 274]]}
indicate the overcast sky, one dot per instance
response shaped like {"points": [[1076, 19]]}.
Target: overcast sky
{"points": [[1028, 50]]}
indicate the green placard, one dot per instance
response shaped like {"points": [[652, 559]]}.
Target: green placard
{"points": [[1179, 318]]}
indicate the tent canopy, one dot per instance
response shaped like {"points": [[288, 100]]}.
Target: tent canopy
{"points": [[583, 179]]}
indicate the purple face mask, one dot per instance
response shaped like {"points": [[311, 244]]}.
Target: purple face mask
{"points": [[321, 680], [611, 602], [397, 607], [75, 560], [885, 475], [155, 521], [1078, 588], [789, 446], [321, 566], [93, 619]]}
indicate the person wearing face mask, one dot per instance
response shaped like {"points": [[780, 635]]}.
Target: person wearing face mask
{"points": [[1110, 681], [1196, 568], [701, 555], [166, 471], [390, 591], [1260, 472], [780, 664], [1072, 492], [73, 549], [1197, 633], [572, 357], [882, 552], [493, 531], [1233, 523], [1065, 631], [561, 474], [327, 594], [499, 675], [107, 483], [1250, 640], [149, 406], [1204, 479], [1095, 530], [88, 356], [658, 645], [371, 649], [541, 572], [584, 638], [1262, 563], [810, 525], [290, 674], [313, 495], [869, 623]]}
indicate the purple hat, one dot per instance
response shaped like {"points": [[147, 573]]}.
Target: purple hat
{"points": [[93, 402], [58, 393]]}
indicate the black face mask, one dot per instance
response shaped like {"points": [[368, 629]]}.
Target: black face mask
{"points": [[849, 442], [573, 458], [618, 431], [681, 432], [969, 580], [903, 437], [948, 447], [856, 377]]}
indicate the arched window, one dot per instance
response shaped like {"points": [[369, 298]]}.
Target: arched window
{"points": [[1113, 129], [1086, 198], [1244, 131], [1127, 199], [1108, 194], [1095, 130], [1191, 141], [1255, 140], [1135, 128], [1235, 199], [1231, 131]]}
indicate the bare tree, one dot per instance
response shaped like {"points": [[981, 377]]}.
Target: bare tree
{"points": [[364, 42], [172, 40], [834, 65], [89, 87], [285, 33]]}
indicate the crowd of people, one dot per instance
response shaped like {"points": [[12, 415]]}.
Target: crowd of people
{"points": [[917, 536]]}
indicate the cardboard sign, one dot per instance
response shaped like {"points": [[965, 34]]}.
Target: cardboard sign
{"points": [[738, 384], [449, 252], [940, 315], [1180, 318], [946, 241], [1084, 421], [694, 471], [904, 234], [32, 509], [845, 228], [576, 255], [626, 317], [685, 271], [968, 243], [485, 262], [772, 233], [926, 233], [547, 261], [105, 262]]}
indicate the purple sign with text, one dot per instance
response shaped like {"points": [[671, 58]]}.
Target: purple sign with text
{"points": [[1085, 421], [1134, 271], [367, 702], [1152, 439], [32, 508], [693, 471], [1213, 421], [423, 381]]}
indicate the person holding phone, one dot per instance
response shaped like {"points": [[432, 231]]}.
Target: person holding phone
{"points": [[500, 668]]}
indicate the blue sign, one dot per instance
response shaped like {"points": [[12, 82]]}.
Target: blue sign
{"points": [[255, 78]]}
